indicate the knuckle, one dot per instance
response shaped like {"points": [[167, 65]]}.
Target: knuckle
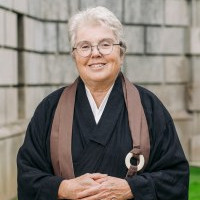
{"points": [[87, 174], [103, 187]]}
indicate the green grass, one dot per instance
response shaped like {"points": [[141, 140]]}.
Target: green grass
{"points": [[194, 190]]}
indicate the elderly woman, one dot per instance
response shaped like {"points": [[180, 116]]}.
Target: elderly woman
{"points": [[102, 137]]}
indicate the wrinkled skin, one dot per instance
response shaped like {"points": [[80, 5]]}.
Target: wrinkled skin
{"points": [[95, 186]]}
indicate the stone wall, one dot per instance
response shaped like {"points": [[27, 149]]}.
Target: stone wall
{"points": [[163, 38]]}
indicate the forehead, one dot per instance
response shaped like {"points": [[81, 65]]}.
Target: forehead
{"points": [[93, 33]]}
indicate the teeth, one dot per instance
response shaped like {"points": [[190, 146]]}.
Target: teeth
{"points": [[97, 65]]}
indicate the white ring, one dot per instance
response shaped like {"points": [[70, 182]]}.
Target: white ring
{"points": [[128, 161]]}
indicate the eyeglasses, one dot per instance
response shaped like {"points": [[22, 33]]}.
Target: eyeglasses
{"points": [[104, 47]]}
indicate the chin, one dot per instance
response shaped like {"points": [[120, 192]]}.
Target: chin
{"points": [[99, 77]]}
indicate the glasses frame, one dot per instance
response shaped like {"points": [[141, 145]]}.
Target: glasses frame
{"points": [[91, 49]]}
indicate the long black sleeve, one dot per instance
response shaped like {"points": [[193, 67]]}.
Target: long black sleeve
{"points": [[36, 180], [166, 176]]}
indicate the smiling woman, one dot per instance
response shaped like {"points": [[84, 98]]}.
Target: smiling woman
{"points": [[102, 137]]}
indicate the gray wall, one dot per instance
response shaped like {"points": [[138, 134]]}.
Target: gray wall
{"points": [[163, 55]]}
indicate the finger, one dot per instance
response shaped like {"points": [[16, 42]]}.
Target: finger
{"points": [[99, 196], [94, 197], [87, 183], [101, 180], [90, 183], [96, 176], [89, 192]]}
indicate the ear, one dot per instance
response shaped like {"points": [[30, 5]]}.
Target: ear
{"points": [[123, 49]]}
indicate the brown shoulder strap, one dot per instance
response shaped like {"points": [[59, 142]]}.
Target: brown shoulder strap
{"points": [[137, 123], [61, 133]]}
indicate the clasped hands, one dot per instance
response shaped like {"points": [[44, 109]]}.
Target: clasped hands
{"points": [[95, 187]]}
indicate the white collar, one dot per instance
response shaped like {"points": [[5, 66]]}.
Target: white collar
{"points": [[97, 112]]}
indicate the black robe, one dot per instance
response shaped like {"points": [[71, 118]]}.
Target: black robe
{"points": [[102, 148]]}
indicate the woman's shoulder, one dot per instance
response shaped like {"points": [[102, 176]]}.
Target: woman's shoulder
{"points": [[147, 96], [53, 97], [48, 105], [153, 107]]}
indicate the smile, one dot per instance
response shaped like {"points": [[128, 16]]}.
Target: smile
{"points": [[97, 65]]}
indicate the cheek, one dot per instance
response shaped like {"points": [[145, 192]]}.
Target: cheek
{"points": [[118, 58], [118, 61], [80, 62]]}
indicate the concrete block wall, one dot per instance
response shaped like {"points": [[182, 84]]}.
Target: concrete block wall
{"points": [[163, 55], [9, 103], [11, 137], [34, 61], [165, 40], [144, 12], [172, 7]]}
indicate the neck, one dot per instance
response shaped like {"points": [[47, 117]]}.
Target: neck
{"points": [[99, 90]]}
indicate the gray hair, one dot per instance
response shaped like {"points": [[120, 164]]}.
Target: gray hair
{"points": [[97, 15]]}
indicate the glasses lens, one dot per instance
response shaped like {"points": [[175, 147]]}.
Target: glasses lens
{"points": [[105, 46], [84, 49]]}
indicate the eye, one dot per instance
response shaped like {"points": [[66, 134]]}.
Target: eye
{"points": [[85, 47], [105, 44]]}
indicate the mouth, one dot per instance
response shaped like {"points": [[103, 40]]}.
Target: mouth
{"points": [[97, 65]]}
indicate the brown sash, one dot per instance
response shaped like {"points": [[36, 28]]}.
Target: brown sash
{"points": [[61, 132]]}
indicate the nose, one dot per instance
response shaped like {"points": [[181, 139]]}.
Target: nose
{"points": [[95, 51]]}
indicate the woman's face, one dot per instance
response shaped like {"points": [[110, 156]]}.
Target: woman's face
{"points": [[97, 68]]}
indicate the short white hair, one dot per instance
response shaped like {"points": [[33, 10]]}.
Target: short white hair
{"points": [[97, 15]]}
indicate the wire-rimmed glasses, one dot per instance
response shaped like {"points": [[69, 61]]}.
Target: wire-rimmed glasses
{"points": [[105, 47]]}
